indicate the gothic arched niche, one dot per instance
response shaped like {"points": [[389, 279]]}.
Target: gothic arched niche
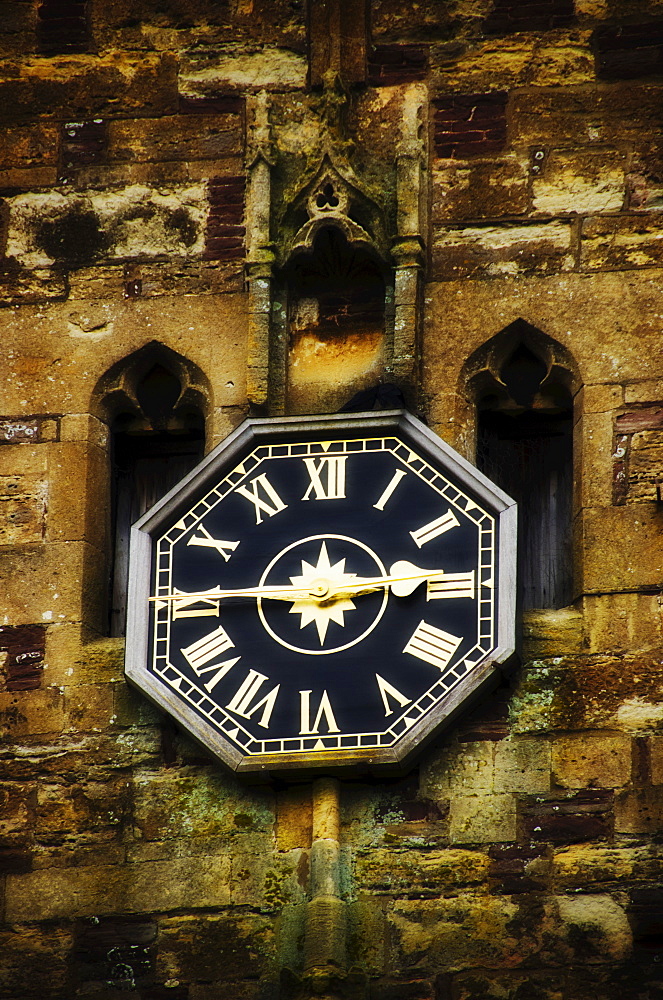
{"points": [[154, 402], [523, 384], [336, 292]]}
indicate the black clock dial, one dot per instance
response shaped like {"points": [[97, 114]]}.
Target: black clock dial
{"points": [[322, 595]]}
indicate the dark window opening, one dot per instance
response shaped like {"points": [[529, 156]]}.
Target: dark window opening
{"points": [[337, 288], [152, 450], [525, 445]]}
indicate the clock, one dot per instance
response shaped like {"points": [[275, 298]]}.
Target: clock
{"points": [[322, 592]]}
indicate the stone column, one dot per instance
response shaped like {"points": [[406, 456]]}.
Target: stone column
{"points": [[260, 252], [408, 247], [325, 939]]}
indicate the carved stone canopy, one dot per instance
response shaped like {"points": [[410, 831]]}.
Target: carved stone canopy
{"points": [[333, 197]]}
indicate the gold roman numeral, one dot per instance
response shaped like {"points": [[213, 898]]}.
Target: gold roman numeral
{"points": [[261, 484], [324, 709], [433, 645], [205, 540], [243, 703], [434, 528], [327, 478], [451, 585]]}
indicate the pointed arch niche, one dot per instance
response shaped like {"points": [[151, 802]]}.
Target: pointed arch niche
{"points": [[155, 403], [335, 322], [335, 295], [523, 384]]}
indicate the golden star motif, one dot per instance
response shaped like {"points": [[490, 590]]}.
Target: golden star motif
{"points": [[329, 611]]}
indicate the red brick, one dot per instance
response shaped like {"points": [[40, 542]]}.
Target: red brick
{"points": [[395, 64], [223, 104], [629, 51], [508, 16], [586, 815], [62, 26], [650, 419], [25, 646]]}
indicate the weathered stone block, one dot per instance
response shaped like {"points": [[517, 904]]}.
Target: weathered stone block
{"points": [[552, 632], [639, 811], [135, 888], [594, 469], [168, 803], [463, 769], [75, 658], [522, 766], [76, 87], [31, 713], [79, 501], [585, 761], [482, 819], [557, 118], [601, 398], [622, 622], [180, 137], [580, 181], [643, 392], [17, 813], [655, 748], [620, 242], [34, 960], [502, 250], [207, 72], [421, 872], [576, 868], [455, 933], [480, 190], [90, 708], [67, 811], [637, 561], [596, 924], [214, 948], [23, 501], [294, 818], [33, 145]]}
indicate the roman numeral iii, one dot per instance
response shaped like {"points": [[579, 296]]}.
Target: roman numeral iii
{"points": [[327, 477], [451, 585]]}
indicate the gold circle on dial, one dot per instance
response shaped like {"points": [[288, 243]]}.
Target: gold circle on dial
{"points": [[321, 613]]}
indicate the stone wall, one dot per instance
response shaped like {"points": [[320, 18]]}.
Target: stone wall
{"points": [[521, 858]]}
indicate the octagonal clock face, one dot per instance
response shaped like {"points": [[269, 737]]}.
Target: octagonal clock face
{"points": [[322, 591]]}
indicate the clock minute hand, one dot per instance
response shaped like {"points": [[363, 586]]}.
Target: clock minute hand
{"points": [[276, 593]]}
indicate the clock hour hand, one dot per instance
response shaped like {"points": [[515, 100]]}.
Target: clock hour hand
{"points": [[404, 577]]}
